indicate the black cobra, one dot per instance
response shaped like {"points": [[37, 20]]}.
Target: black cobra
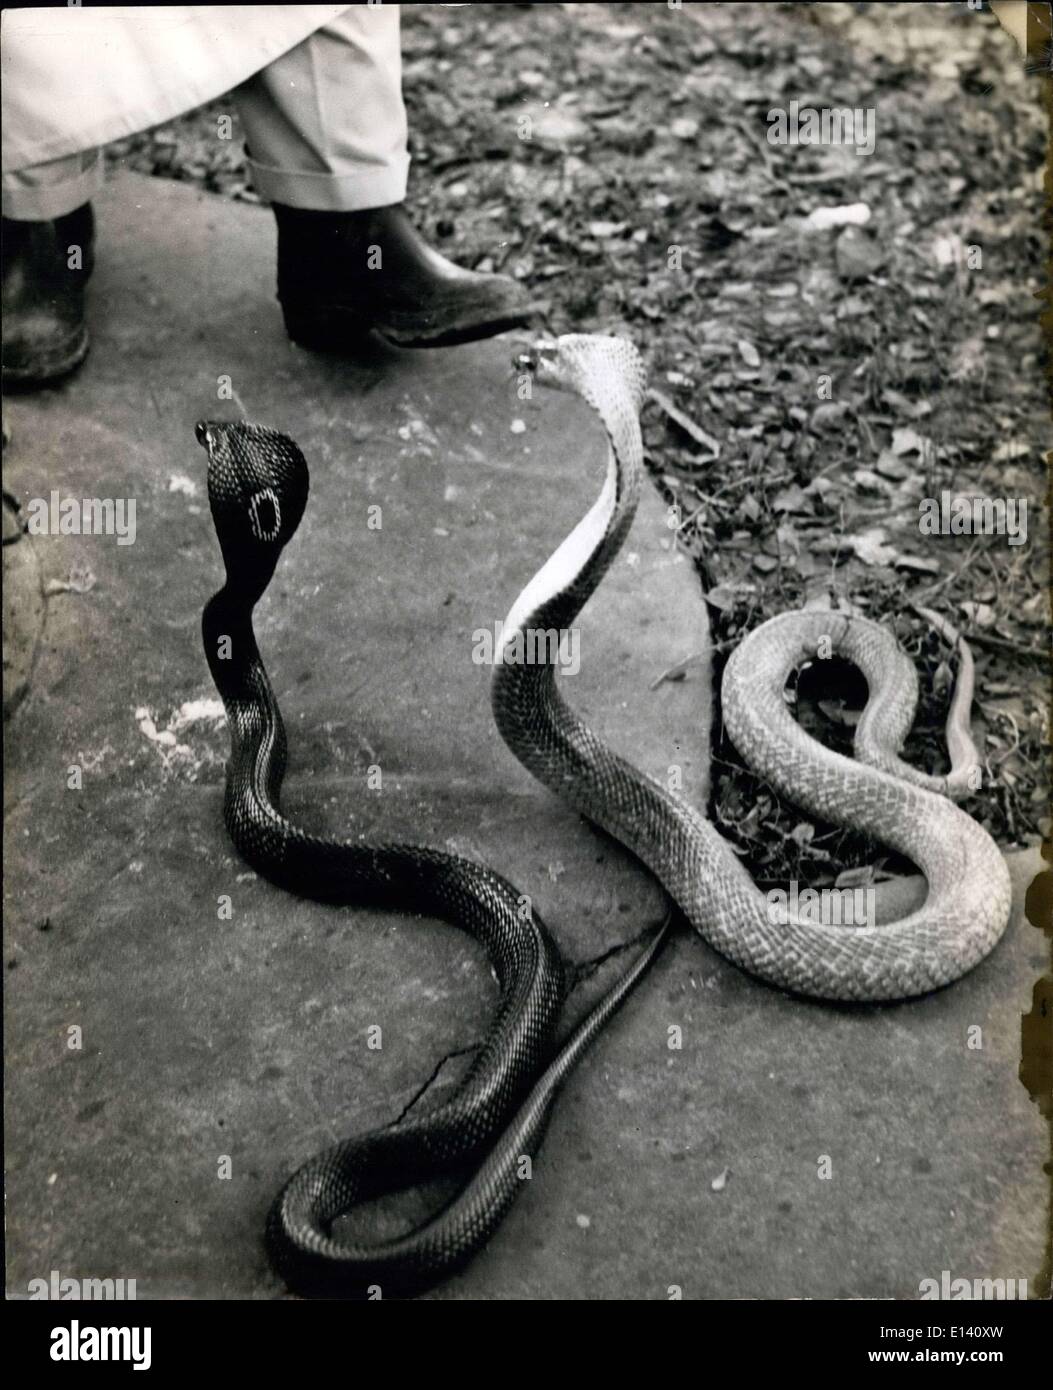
{"points": [[258, 485]]}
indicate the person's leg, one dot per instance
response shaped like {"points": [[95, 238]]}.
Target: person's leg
{"points": [[325, 124], [48, 254], [52, 190], [327, 139], [326, 136]]}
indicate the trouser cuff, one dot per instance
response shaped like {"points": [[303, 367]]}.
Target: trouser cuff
{"points": [[366, 188], [44, 191]]}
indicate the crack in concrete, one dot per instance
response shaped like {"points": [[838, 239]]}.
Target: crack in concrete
{"points": [[585, 969], [580, 971], [447, 1057]]}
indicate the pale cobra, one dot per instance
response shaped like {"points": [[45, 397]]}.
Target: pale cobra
{"points": [[968, 902], [495, 1119]]}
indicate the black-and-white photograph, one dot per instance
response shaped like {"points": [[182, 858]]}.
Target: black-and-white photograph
{"points": [[526, 657]]}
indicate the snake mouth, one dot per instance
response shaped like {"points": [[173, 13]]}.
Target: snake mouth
{"points": [[529, 354]]}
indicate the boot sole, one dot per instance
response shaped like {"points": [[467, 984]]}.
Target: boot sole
{"points": [[50, 367], [332, 331]]}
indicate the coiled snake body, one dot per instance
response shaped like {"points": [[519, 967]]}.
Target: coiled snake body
{"points": [[258, 487]]}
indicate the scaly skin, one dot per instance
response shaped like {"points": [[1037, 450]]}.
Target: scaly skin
{"points": [[258, 491], [258, 487], [968, 903]]}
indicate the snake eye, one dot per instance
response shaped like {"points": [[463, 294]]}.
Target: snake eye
{"points": [[202, 433]]}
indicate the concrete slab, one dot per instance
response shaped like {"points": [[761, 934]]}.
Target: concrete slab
{"points": [[203, 1038]]}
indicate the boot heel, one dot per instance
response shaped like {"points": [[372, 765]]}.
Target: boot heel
{"points": [[325, 328]]}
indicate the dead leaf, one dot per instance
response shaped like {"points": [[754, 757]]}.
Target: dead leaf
{"points": [[838, 713], [857, 255], [604, 230], [890, 465], [916, 562], [790, 499], [1011, 449], [914, 410], [849, 215], [869, 481], [684, 422], [870, 547], [829, 415], [859, 877], [981, 614], [908, 441]]}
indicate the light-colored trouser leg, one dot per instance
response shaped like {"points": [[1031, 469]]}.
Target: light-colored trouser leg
{"points": [[50, 190], [325, 123]]}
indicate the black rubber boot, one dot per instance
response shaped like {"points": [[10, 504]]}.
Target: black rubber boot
{"points": [[342, 275], [43, 297]]}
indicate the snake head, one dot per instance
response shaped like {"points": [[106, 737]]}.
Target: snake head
{"points": [[537, 358], [257, 489], [605, 371]]}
